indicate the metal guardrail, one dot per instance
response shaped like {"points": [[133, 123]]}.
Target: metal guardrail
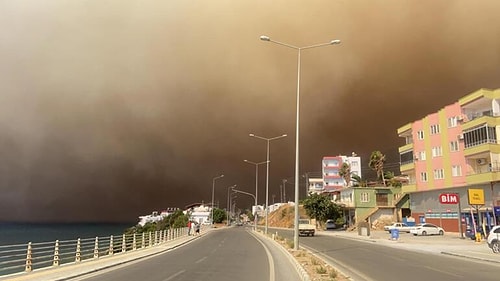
{"points": [[27, 257]]}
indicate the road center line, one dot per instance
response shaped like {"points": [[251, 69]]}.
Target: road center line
{"points": [[200, 260], [175, 275]]}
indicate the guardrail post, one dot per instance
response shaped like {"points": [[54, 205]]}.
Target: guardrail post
{"points": [[143, 242], [110, 250], [124, 244], [165, 235], [156, 237], [161, 237], [56, 254], [134, 241], [150, 239], [96, 248], [29, 260], [78, 251]]}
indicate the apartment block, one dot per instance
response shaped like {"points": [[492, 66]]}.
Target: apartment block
{"points": [[451, 151]]}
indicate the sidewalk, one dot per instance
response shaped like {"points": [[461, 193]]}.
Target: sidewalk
{"points": [[448, 244], [72, 270]]}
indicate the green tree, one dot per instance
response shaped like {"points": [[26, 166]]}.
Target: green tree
{"points": [[321, 208], [345, 173], [219, 215], [358, 181], [392, 180], [377, 160]]}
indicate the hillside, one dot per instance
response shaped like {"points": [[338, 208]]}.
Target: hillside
{"points": [[283, 217]]}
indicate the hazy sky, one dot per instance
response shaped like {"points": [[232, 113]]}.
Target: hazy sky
{"points": [[112, 109]]}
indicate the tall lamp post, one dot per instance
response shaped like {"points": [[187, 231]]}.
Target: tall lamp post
{"points": [[299, 49], [228, 206], [254, 197], [267, 173], [256, 184], [213, 189]]}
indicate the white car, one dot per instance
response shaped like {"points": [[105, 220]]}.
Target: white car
{"points": [[494, 239], [427, 229]]}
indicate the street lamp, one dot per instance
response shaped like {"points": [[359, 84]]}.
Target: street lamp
{"points": [[267, 173], [254, 198], [228, 211], [256, 176], [213, 189], [299, 49]]}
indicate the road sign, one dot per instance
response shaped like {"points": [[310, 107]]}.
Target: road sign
{"points": [[449, 198], [476, 196]]}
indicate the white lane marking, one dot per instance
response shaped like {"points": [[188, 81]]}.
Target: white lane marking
{"points": [[175, 275], [269, 258], [200, 260], [442, 271]]}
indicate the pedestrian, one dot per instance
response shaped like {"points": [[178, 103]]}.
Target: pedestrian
{"points": [[189, 228], [197, 227]]}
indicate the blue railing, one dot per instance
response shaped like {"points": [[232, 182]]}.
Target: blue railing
{"points": [[27, 257]]}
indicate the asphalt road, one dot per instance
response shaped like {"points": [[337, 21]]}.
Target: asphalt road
{"points": [[368, 261], [225, 254]]}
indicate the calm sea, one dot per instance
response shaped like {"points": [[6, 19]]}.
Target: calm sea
{"points": [[22, 233]]}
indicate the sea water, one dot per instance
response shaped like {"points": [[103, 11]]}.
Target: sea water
{"points": [[22, 233]]}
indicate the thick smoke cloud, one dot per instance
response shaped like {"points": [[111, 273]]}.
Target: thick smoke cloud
{"points": [[112, 109]]}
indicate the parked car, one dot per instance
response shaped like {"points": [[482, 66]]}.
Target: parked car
{"points": [[330, 224], [494, 239], [402, 227], [426, 229]]}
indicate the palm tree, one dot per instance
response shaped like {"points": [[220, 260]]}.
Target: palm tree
{"points": [[376, 163], [392, 180], [345, 173], [358, 181]]}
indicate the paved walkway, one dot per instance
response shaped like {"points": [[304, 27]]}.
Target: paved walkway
{"points": [[448, 244], [71, 270]]}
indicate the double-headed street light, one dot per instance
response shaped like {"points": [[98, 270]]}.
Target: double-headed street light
{"points": [[299, 49], [267, 173], [254, 197], [213, 189], [256, 177]]}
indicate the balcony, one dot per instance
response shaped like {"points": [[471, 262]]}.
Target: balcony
{"points": [[484, 174], [407, 166]]}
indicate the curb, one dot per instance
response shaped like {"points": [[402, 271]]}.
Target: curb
{"points": [[469, 257], [300, 270]]}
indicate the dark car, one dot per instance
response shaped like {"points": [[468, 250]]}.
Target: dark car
{"points": [[472, 234]]}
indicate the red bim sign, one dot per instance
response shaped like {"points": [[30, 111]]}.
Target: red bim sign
{"points": [[448, 198]]}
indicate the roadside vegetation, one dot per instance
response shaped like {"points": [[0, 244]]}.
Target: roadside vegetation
{"points": [[176, 220]]}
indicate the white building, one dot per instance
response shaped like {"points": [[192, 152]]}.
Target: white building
{"points": [[200, 214]]}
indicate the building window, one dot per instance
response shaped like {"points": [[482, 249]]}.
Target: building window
{"points": [[423, 176], [422, 156], [437, 151], [456, 170], [452, 122], [364, 197], [439, 174], [454, 146], [434, 129], [420, 135]]}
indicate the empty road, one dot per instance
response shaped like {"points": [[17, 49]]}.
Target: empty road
{"points": [[224, 254]]}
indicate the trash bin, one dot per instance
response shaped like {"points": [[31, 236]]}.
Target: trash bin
{"points": [[395, 234]]}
